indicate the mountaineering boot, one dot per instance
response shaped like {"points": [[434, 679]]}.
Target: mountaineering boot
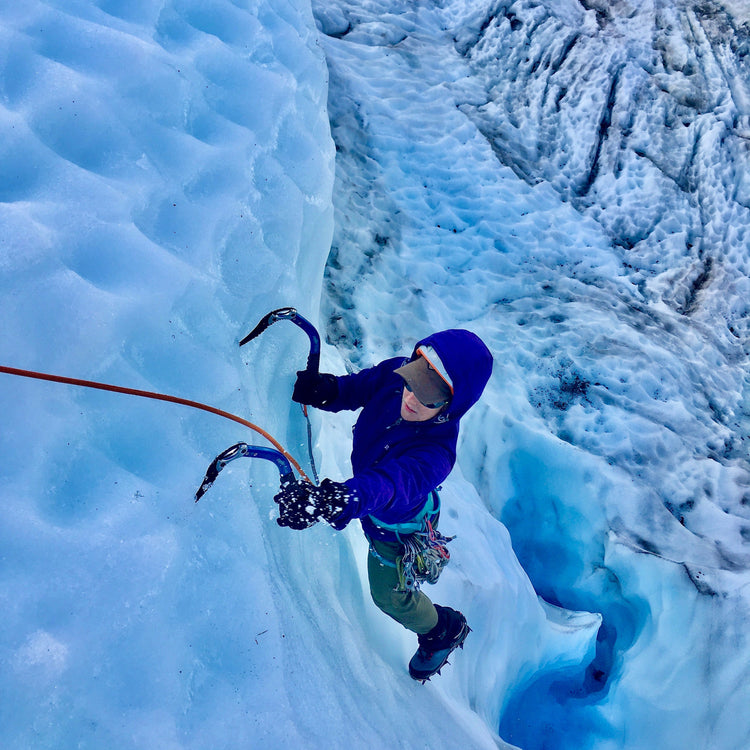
{"points": [[436, 646]]}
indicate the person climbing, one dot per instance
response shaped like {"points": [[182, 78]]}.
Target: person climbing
{"points": [[404, 446]]}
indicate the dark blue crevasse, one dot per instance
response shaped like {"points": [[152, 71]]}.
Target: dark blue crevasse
{"points": [[563, 557]]}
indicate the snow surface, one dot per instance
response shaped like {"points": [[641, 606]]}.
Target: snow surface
{"points": [[569, 180]]}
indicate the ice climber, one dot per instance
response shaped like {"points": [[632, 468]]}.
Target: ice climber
{"points": [[404, 446]]}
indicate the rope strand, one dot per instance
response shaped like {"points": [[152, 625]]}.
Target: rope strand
{"points": [[157, 397]]}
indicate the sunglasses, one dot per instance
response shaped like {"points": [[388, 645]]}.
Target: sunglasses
{"points": [[438, 405]]}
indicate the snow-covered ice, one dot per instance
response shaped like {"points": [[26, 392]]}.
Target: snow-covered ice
{"points": [[569, 180]]}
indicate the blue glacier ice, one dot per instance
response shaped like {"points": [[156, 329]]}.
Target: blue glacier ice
{"points": [[570, 180]]}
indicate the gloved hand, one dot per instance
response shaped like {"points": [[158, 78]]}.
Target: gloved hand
{"points": [[302, 505], [315, 388]]}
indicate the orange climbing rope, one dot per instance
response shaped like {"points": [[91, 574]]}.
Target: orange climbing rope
{"points": [[158, 397]]}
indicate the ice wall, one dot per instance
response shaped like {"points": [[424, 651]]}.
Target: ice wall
{"points": [[165, 179]]}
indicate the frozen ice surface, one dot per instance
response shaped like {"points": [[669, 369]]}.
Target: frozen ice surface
{"points": [[569, 180]]}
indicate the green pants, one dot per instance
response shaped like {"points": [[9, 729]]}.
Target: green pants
{"points": [[412, 609]]}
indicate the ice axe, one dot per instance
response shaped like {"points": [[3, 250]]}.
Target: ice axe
{"points": [[313, 358], [239, 450], [289, 313]]}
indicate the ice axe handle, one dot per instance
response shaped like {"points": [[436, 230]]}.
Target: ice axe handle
{"points": [[313, 358]]}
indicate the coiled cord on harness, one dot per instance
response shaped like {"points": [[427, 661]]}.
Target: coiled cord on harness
{"points": [[425, 555]]}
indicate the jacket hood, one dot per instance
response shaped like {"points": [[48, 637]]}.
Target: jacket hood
{"points": [[468, 362]]}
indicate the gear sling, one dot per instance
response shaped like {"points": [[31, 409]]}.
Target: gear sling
{"points": [[425, 551]]}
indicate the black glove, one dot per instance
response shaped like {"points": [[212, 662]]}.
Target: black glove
{"points": [[302, 505], [315, 388]]}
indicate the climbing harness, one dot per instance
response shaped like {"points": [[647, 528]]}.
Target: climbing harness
{"points": [[240, 450], [313, 358], [430, 510], [425, 548]]}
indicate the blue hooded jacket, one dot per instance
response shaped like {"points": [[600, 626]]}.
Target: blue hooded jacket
{"points": [[397, 463]]}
